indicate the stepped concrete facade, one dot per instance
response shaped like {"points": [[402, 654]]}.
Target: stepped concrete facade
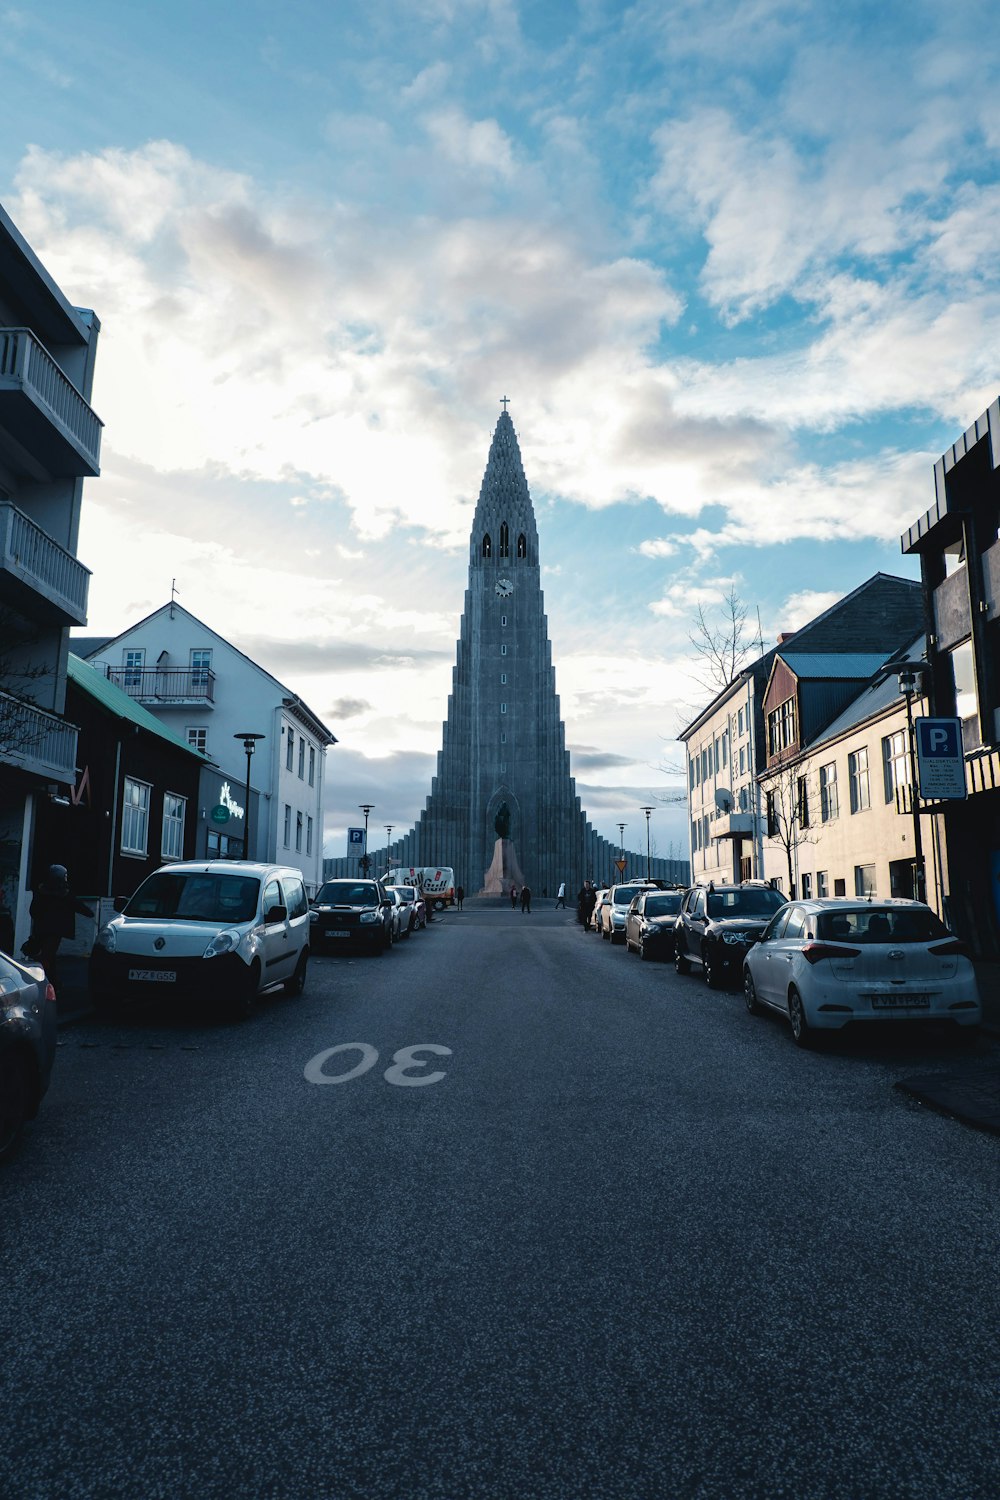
{"points": [[503, 805]]}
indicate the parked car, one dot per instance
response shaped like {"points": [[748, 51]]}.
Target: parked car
{"points": [[718, 924], [418, 910], [217, 930], [402, 915], [615, 909], [27, 1046], [650, 921], [826, 964], [595, 916], [353, 914]]}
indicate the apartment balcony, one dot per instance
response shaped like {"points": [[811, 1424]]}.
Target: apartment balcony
{"points": [[46, 428], [36, 741], [40, 578], [734, 825], [166, 687], [952, 620]]}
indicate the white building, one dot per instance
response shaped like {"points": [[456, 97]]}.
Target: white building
{"points": [[50, 441], [211, 694]]}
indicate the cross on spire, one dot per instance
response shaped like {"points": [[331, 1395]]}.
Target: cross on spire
{"points": [[503, 401]]}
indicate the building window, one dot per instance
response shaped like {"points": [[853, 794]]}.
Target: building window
{"points": [[807, 887], [288, 825], [172, 838], [289, 749], [503, 738], [503, 650], [503, 708], [781, 727], [504, 540], [864, 880], [522, 545], [963, 665], [197, 737], [223, 846], [692, 772], [133, 662], [302, 759], [829, 804], [135, 817], [840, 887], [725, 748], [743, 760], [822, 883], [312, 765], [802, 800], [857, 770], [487, 546], [201, 668], [503, 678], [895, 767], [503, 619], [739, 722], [309, 835], [298, 833], [772, 816]]}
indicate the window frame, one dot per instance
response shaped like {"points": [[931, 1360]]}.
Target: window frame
{"points": [[172, 822], [140, 811]]}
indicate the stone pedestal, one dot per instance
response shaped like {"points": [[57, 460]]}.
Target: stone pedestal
{"points": [[504, 870]]}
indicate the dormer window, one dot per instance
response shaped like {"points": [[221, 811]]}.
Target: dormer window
{"points": [[522, 545], [504, 540], [487, 546]]}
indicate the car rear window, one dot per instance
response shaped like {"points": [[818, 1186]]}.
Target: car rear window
{"points": [[197, 897], [625, 893], [880, 924]]}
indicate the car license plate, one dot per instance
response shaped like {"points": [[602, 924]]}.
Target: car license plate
{"points": [[336, 932], [155, 976], [899, 1002]]}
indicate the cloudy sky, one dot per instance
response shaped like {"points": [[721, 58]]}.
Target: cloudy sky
{"points": [[734, 264]]}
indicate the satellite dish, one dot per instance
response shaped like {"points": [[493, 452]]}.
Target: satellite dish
{"points": [[724, 799]]}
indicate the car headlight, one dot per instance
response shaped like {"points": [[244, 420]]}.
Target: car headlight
{"points": [[107, 939], [735, 937], [223, 942], [369, 916]]}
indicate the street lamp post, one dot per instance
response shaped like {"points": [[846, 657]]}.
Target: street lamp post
{"points": [[366, 808], [647, 811], [909, 686], [249, 746], [388, 837], [621, 847]]}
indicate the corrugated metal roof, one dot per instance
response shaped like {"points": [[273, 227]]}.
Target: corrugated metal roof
{"points": [[835, 664], [94, 682], [872, 701]]}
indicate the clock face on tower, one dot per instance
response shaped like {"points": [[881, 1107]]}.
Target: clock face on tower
{"points": [[504, 588]]}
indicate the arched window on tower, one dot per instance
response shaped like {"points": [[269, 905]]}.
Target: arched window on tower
{"points": [[504, 540], [522, 545], [487, 546]]}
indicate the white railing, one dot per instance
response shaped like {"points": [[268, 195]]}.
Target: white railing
{"points": [[24, 359], [36, 740], [29, 551]]}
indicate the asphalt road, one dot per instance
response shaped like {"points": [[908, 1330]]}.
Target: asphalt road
{"points": [[618, 1239]]}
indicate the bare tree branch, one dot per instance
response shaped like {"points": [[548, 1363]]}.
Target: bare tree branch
{"points": [[724, 647]]}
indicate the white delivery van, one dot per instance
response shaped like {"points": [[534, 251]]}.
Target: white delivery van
{"points": [[436, 882]]}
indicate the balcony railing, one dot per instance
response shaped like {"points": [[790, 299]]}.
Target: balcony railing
{"points": [[35, 562], [37, 741], [27, 368], [165, 684]]}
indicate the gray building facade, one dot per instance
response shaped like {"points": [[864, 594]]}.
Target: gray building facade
{"points": [[504, 744]]}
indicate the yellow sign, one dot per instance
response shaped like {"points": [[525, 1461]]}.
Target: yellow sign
{"points": [[620, 865]]}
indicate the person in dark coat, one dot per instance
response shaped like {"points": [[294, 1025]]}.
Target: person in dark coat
{"points": [[53, 911], [513, 898], [585, 903], [525, 898], [460, 895]]}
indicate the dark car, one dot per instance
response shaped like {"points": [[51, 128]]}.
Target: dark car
{"points": [[717, 926], [649, 923], [352, 914], [27, 1045]]}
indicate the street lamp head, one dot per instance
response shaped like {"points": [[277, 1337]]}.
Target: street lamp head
{"points": [[909, 674], [249, 739], [366, 807]]}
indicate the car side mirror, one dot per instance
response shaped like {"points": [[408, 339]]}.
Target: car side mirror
{"points": [[120, 903], [275, 914]]}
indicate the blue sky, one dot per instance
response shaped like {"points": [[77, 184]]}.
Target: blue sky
{"points": [[733, 263]]}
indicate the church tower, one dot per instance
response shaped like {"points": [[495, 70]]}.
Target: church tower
{"points": [[504, 744]]}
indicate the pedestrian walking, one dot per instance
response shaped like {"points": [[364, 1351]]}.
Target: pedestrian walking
{"points": [[525, 898], [460, 895], [585, 903], [561, 896], [513, 898], [53, 913]]}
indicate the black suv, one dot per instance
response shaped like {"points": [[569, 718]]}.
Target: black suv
{"points": [[719, 924], [351, 914]]}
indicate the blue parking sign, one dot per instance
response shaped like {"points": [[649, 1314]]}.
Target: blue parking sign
{"points": [[355, 840], [940, 759]]}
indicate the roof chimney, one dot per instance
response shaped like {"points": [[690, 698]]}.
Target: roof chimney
{"points": [[786, 635]]}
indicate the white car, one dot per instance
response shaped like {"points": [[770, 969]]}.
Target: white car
{"points": [[615, 909], [595, 915], [217, 930], [826, 964]]}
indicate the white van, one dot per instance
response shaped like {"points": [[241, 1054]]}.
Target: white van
{"points": [[436, 882], [205, 929]]}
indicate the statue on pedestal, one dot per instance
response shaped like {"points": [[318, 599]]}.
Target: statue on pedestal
{"points": [[504, 870]]}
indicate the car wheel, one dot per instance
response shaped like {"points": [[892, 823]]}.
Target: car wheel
{"points": [[642, 950], [16, 1097], [750, 1000], [802, 1034], [681, 964], [712, 977], [297, 983]]}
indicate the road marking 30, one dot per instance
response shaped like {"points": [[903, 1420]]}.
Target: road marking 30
{"points": [[401, 1073]]}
